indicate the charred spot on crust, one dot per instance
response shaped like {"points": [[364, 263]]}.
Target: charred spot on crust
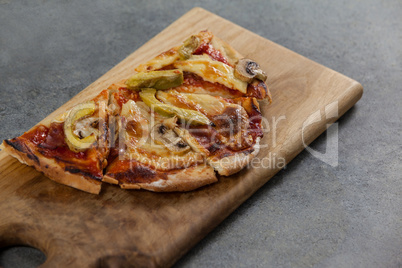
{"points": [[137, 174], [75, 170], [127, 171], [16, 145], [33, 157], [19, 146]]}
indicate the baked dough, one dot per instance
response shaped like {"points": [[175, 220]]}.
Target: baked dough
{"points": [[28, 155]]}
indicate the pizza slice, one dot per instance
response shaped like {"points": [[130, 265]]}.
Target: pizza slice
{"points": [[209, 66], [72, 149], [231, 140], [188, 113], [208, 76], [148, 154]]}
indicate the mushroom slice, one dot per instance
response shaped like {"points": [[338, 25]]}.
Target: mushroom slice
{"points": [[246, 70], [86, 126], [161, 134]]}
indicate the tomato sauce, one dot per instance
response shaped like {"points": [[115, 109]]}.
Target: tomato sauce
{"points": [[50, 143], [215, 54], [131, 171], [125, 94], [37, 135]]}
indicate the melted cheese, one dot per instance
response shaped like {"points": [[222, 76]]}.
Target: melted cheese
{"points": [[207, 104], [155, 154], [133, 125], [144, 148], [231, 120], [161, 158], [212, 71], [160, 61]]}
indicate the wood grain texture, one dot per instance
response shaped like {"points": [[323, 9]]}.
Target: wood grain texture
{"points": [[139, 228]]}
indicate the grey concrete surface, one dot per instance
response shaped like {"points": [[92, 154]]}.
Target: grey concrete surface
{"points": [[310, 214]]}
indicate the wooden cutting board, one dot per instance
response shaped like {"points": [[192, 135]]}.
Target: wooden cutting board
{"points": [[139, 228]]}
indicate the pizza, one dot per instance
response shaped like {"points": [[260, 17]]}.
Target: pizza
{"points": [[72, 149], [184, 118]]}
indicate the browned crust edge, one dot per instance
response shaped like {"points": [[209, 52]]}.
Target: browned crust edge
{"points": [[185, 180], [51, 168]]}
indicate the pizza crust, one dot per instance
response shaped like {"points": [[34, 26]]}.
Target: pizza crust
{"points": [[52, 169], [184, 180]]}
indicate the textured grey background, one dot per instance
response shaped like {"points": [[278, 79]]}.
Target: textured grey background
{"points": [[310, 214]]}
